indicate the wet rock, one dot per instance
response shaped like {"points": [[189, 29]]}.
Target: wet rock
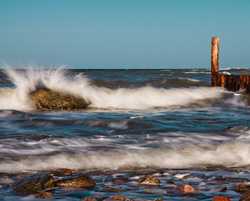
{"points": [[33, 184], [113, 190], [52, 100], [184, 188], [158, 199], [150, 180], [241, 188], [44, 195], [221, 198], [89, 199], [119, 180], [6, 181], [170, 182], [224, 189], [245, 196], [62, 172], [118, 197], [82, 181]]}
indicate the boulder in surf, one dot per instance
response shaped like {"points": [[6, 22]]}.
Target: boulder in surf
{"points": [[33, 184], [53, 100]]}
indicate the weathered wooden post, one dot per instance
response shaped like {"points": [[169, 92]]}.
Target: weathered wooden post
{"points": [[215, 61]]}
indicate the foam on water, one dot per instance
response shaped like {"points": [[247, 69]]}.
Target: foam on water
{"points": [[227, 155], [123, 98]]}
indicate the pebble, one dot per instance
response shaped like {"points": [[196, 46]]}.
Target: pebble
{"points": [[221, 198], [184, 188], [89, 199], [150, 180]]}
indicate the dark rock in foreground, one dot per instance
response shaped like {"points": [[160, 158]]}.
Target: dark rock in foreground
{"points": [[245, 196], [33, 184], [52, 100], [83, 182]]}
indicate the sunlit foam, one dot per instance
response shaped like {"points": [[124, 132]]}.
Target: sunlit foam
{"points": [[123, 98]]}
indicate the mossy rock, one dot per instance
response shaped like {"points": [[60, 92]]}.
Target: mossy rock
{"points": [[53, 100], [33, 184]]}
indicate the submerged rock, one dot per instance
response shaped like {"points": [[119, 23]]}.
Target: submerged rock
{"points": [[33, 184], [83, 182], [52, 100]]}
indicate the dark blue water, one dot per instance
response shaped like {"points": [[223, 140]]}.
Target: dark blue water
{"points": [[166, 123]]}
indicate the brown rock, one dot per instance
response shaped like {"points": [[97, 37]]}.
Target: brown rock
{"points": [[89, 199], [33, 184], [224, 189], [83, 182], [158, 199], [52, 100], [150, 180], [44, 195], [118, 197], [242, 188], [62, 172], [184, 188], [245, 196], [221, 198]]}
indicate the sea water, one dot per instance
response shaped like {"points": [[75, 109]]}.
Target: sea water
{"points": [[167, 123]]}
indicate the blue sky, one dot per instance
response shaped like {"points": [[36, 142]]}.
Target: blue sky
{"points": [[124, 33]]}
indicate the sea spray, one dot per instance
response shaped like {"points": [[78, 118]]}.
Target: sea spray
{"points": [[141, 98]]}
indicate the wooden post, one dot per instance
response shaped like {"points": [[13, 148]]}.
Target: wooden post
{"points": [[215, 61]]}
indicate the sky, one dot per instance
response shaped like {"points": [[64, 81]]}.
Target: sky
{"points": [[124, 33]]}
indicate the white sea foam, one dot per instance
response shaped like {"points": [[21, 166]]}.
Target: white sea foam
{"points": [[123, 98], [227, 155]]}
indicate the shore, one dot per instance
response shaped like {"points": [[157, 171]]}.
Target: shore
{"points": [[165, 184]]}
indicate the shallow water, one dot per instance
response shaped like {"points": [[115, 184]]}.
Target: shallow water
{"points": [[167, 123]]}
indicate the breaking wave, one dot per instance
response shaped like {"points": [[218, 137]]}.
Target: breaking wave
{"points": [[142, 98]]}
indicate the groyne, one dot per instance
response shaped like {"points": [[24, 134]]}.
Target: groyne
{"points": [[230, 82]]}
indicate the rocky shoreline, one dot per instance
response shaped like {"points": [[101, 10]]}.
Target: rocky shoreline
{"points": [[109, 186]]}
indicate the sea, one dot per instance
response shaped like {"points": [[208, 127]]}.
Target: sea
{"points": [[168, 123]]}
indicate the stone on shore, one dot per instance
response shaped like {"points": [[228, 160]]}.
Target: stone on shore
{"points": [[53, 100], [82, 182], [150, 180], [33, 184]]}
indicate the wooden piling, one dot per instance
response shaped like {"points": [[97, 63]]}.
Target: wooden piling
{"points": [[215, 60], [228, 81]]}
